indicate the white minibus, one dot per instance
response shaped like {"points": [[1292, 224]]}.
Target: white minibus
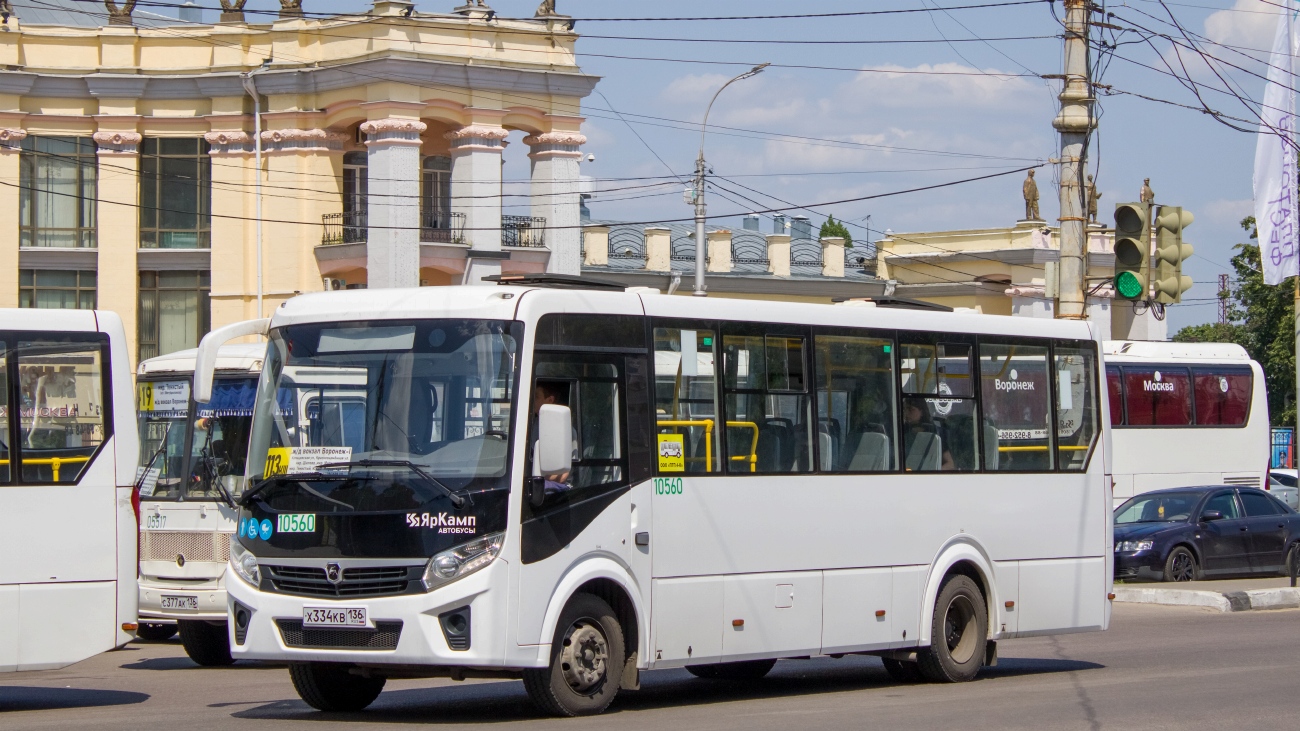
{"points": [[193, 461], [1185, 414], [67, 467], [565, 482]]}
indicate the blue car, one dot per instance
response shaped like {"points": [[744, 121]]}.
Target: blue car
{"points": [[1191, 533]]}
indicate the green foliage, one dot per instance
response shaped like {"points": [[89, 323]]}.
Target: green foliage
{"points": [[833, 228], [1261, 319]]}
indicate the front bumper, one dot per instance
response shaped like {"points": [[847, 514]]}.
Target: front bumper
{"points": [[421, 639], [1146, 565], [211, 596]]}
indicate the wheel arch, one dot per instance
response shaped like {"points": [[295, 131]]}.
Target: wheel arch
{"points": [[962, 555], [611, 582]]}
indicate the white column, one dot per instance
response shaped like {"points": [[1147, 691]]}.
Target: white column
{"points": [[393, 209], [555, 198], [476, 193]]}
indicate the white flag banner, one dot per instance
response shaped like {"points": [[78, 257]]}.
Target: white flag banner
{"points": [[1275, 161]]}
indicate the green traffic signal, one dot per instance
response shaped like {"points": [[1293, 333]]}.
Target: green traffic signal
{"points": [[1132, 250]]}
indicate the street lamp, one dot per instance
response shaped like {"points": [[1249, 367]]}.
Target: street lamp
{"points": [[247, 80], [699, 184]]}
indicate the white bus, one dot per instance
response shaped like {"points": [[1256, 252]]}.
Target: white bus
{"points": [[194, 461], [67, 466], [570, 486], [1185, 414]]}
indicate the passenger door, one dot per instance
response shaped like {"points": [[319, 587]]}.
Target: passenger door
{"points": [[1225, 542], [586, 512], [1267, 531]]}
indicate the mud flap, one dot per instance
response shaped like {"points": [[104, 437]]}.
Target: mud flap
{"points": [[631, 679], [991, 654]]}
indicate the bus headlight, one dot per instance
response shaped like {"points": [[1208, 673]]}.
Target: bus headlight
{"points": [[245, 564], [1133, 546], [461, 561]]}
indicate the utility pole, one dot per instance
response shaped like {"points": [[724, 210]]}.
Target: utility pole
{"points": [[1074, 123], [697, 197]]}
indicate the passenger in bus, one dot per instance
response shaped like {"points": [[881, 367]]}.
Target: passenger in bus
{"points": [[544, 393], [922, 446]]}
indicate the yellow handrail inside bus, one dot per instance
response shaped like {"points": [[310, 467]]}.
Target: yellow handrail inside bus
{"points": [[753, 447], [54, 462], [708, 437]]}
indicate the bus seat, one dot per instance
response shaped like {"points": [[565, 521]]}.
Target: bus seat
{"points": [[871, 453], [926, 453]]}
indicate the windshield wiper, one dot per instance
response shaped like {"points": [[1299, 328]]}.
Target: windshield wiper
{"points": [[253, 491], [457, 500]]}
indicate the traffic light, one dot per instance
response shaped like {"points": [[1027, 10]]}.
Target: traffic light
{"points": [[1132, 250], [1171, 252]]}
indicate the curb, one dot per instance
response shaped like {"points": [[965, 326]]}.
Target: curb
{"points": [[1232, 601]]}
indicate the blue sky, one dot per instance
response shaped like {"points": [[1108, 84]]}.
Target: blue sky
{"points": [[968, 121]]}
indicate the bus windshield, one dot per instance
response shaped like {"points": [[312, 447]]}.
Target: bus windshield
{"points": [[215, 438], [431, 398]]}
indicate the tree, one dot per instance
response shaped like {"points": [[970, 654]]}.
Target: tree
{"points": [[833, 228], [1261, 319]]}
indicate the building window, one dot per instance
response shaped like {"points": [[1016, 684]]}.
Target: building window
{"points": [[175, 194], [356, 182], [57, 290], [435, 193], [174, 311], [57, 192]]}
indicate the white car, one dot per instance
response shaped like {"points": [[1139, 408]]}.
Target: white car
{"points": [[1282, 483]]}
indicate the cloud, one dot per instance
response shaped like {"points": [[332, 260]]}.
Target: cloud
{"points": [[1249, 23]]}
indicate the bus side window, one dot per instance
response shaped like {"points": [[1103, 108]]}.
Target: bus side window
{"points": [[687, 432], [592, 388], [769, 422], [1115, 390], [63, 404], [1076, 407], [1223, 395], [940, 431], [1017, 398], [1157, 396], [856, 421], [4, 413]]}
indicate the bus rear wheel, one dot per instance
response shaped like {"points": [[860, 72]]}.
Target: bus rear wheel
{"points": [[328, 686], [747, 670], [155, 631], [587, 658], [207, 644], [958, 633]]}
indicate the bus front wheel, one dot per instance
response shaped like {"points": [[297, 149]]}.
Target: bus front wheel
{"points": [[207, 644], [329, 686], [958, 634], [587, 657]]}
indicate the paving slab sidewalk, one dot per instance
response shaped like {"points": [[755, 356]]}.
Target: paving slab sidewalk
{"points": [[1227, 595]]}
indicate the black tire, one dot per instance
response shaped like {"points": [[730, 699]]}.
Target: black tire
{"points": [[587, 659], [902, 671], [747, 670], [328, 686], [1288, 561], [206, 644], [155, 632], [1181, 565], [959, 633]]}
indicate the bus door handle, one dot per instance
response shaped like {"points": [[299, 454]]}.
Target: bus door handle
{"points": [[643, 539], [1244, 528]]}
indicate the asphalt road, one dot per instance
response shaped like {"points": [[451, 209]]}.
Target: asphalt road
{"points": [[1157, 668]]}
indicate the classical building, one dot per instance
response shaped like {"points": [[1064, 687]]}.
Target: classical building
{"points": [[128, 150]]}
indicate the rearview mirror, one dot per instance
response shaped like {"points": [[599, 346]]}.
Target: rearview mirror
{"points": [[554, 439], [1210, 515]]}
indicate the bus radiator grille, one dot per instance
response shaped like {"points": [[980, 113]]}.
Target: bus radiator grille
{"points": [[160, 545], [383, 637], [356, 583]]}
